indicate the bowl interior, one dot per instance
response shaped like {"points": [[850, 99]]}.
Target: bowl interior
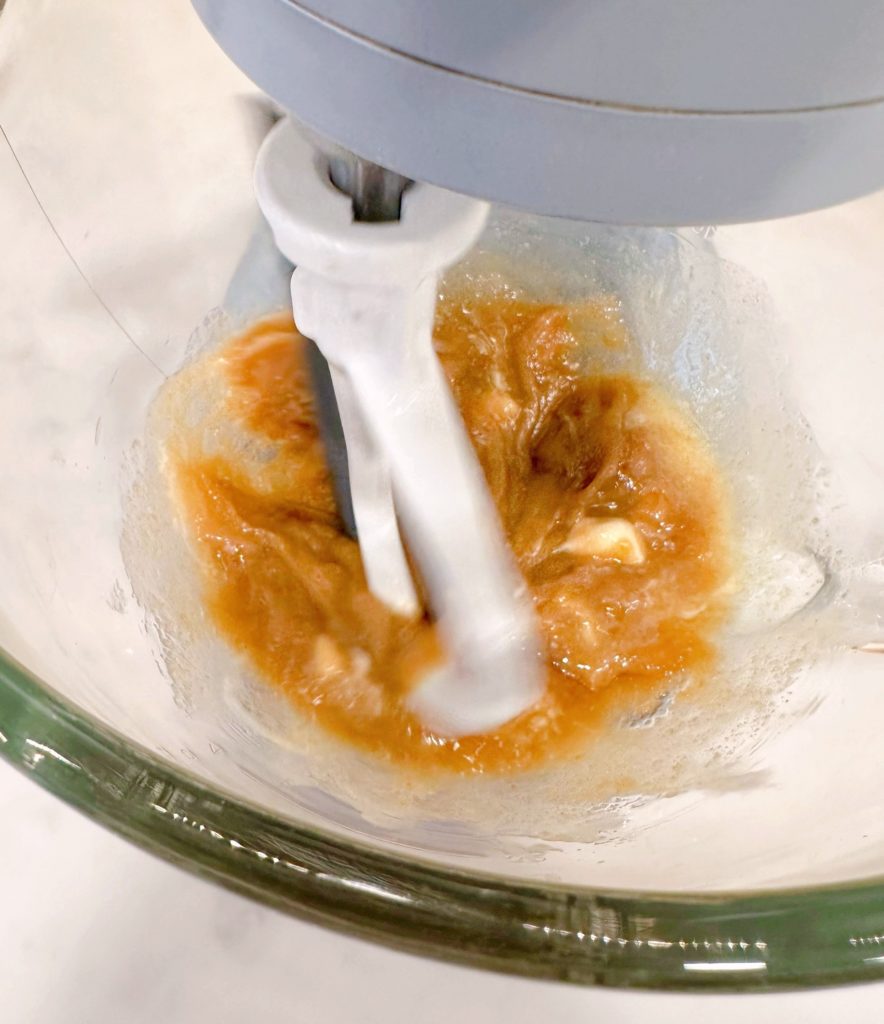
{"points": [[125, 187]]}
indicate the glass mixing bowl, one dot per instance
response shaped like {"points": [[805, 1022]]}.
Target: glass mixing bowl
{"points": [[126, 209]]}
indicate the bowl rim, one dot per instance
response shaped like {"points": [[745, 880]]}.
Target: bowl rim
{"points": [[728, 941]]}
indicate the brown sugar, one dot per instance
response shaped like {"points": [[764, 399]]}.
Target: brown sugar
{"points": [[608, 496]]}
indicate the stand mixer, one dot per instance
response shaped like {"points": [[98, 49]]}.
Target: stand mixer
{"points": [[611, 112], [126, 199]]}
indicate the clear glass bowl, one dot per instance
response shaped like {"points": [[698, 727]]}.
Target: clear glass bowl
{"points": [[125, 212]]}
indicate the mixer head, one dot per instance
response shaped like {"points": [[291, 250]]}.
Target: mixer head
{"points": [[366, 294], [701, 112]]}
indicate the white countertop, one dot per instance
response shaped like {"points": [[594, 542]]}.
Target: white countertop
{"points": [[110, 935]]}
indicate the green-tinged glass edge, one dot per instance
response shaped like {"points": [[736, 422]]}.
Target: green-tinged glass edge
{"points": [[738, 942]]}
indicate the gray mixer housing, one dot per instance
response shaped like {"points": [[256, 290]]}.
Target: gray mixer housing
{"points": [[629, 111]]}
